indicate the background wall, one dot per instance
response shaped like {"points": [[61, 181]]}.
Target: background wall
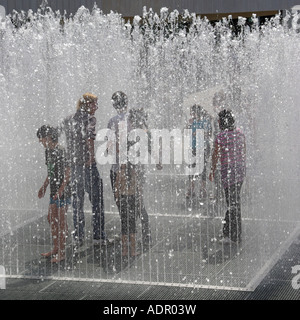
{"points": [[130, 8]]}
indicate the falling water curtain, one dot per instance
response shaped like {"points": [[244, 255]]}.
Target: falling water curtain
{"points": [[165, 63]]}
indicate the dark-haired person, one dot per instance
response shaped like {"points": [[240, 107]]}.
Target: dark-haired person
{"points": [[230, 149], [218, 104], [121, 126], [58, 176], [80, 131], [137, 119], [116, 124]]}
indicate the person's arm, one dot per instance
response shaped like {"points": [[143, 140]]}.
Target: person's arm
{"points": [[43, 189], [215, 158], [91, 135]]}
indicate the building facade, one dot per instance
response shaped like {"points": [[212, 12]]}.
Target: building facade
{"points": [[213, 10]]}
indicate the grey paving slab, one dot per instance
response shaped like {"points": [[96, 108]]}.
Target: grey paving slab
{"points": [[277, 285], [184, 252]]}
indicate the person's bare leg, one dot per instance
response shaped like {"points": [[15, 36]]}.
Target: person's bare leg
{"points": [[52, 212], [61, 234]]}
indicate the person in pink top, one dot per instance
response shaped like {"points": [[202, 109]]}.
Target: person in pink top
{"points": [[230, 149]]}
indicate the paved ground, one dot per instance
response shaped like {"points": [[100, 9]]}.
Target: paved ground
{"points": [[182, 254], [279, 284]]}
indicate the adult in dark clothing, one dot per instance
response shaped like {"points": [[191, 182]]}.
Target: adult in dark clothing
{"points": [[230, 149], [80, 130]]}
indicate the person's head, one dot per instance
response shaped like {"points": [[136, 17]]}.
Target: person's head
{"points": [[138, 118], [198, 112], [48, 136], [226, 120], [120, 101], [88, 103]]}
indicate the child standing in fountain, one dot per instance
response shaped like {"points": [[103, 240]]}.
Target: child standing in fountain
{"points": [[130, 179], [230, 148], [119, 124], [58, 177]]}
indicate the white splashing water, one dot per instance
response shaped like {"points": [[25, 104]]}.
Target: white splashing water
{"points": [[44, 68]]}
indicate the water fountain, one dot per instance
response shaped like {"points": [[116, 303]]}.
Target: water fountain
{"points": [[46, 65]]}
